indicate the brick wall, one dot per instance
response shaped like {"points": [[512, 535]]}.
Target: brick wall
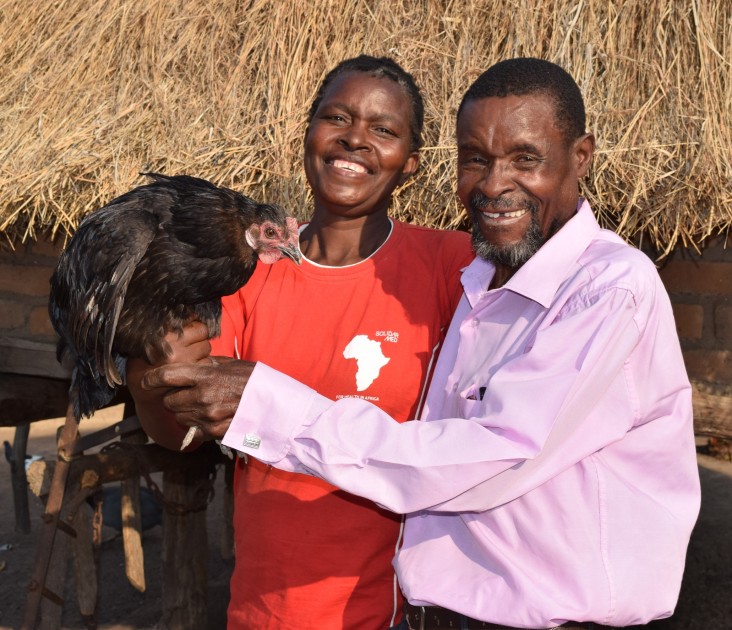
{"points": [[24, 275], [700, 287]]}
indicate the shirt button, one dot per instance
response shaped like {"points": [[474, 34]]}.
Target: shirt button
{"points": [[475, 323]]}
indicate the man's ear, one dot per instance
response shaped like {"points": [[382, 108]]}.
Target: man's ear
{"points": [[410, 168], [584, 148]]}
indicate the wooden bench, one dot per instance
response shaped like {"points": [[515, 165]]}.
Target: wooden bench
{"points": [[33, 387]]}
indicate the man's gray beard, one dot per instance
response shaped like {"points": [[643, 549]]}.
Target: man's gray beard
{"points": [[513, 255]]}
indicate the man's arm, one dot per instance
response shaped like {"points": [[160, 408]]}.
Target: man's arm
{"points": [[511, 444]]}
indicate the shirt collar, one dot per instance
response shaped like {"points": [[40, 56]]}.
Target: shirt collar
{"points": [[539, 278]]}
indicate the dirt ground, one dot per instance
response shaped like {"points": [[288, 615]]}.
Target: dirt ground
{"points": [[705, 602]]}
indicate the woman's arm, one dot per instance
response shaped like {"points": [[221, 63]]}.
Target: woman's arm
{"points": [[190, 346]]}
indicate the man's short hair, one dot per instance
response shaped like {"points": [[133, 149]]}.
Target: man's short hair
{"points": [[527, 75]]}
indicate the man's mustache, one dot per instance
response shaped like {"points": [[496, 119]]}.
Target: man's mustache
{"points": [[479, 202]]}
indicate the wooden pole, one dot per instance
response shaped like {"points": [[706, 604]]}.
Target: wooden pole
{"points": [[185, 545], [20, 483], [51, 522], [132, 521]]}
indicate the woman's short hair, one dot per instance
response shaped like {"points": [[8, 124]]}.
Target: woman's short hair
{"points": [[380, 67]]}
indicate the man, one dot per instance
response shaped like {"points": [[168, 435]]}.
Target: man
{"points": [[553, 480]]}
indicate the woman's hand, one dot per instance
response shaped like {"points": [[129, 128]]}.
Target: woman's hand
{"points": [[189, 346]]}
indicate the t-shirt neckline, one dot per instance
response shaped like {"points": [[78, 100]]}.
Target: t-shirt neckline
{"points": [[360, 262]]}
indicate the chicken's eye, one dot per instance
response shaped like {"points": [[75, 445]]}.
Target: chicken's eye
{"points": [[270, 232]]}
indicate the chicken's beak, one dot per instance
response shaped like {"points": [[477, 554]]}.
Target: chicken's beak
{"points": [[291, 248], [292, 251]]}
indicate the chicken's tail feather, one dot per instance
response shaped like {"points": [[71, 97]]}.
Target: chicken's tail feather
{"points": [[90, 390]]}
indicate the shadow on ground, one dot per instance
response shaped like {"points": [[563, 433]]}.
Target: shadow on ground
{"points": [[705, 602]]}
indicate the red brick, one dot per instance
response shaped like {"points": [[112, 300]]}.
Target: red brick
{"points": [[689, 320], [39, 323], [11, 256], [698, 278], [12, 315], [723, 323], [25, 280], [48, 248], [709, 365]]}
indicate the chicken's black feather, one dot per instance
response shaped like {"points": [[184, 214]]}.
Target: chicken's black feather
{"points": [[147, 263]]}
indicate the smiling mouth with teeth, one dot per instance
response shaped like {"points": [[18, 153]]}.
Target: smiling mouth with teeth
{"points": [[505, 215], [349, 166]]}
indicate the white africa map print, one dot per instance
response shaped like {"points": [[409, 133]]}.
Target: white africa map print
{"points": [[369, 359]]}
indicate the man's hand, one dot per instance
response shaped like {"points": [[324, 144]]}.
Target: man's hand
{"points": [[205, 394], [192, 345]]}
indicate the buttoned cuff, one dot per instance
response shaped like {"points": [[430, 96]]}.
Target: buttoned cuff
{"points": [[272, 409]]}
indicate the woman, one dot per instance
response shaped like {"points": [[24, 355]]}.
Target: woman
{"points": [[362, 316]]}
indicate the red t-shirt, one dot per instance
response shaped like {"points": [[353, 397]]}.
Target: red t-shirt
{"points": [[309, 556]]}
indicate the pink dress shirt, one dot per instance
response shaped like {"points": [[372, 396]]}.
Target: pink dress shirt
{"points": [[554, 474]]}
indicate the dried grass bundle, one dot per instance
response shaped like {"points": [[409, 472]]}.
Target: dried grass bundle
{"points": [[94, 91]]}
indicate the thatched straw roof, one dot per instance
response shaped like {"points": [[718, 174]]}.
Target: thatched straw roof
{"points": [[94, 91]]}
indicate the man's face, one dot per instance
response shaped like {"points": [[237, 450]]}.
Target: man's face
{"points": [[517, 175]]}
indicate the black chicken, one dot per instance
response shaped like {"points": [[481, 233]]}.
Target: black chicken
{"points": [[147, 263]]}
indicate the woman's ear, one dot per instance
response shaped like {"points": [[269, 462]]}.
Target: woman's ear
{"points": [[410, 167]]}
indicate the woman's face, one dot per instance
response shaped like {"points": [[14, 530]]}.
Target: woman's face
{"points": [[357, 148]]}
